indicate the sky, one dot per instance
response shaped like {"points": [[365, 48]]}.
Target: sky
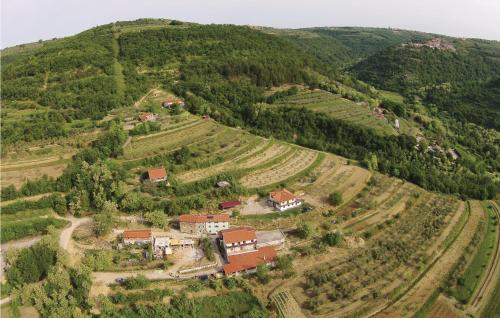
{"points": [[26, 21]]}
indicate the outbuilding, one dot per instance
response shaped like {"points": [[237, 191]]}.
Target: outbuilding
{"points": [[157, 174], [229, 204]]}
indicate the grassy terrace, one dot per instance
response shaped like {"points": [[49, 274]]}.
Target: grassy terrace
{"points": [[477, 266], [340, 108]]}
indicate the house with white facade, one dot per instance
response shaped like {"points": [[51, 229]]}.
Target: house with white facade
{"points": [[283, 200], [203, 224], [237, 240]]}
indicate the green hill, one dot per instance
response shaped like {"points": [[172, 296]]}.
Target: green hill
{"points": [[234, 74], [461, 78], [340, 46]]}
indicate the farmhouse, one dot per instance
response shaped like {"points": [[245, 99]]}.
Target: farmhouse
{"points": [[137, 236], [145, 116], [283, 200], [203, 224], [237, 241], [229, 205], [247, 262], [157, 174]]}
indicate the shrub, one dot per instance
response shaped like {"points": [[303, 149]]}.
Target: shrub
{"points": [[333, 238], [208, 248], [335, 198], [137, 282]]}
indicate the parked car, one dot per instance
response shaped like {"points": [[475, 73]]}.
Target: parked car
{"points": [[120, 280]]}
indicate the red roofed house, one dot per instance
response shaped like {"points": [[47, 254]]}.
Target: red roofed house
{"points": [[157, 174], [229, 205], [203, 224], [136, 236], [248, 262], [237, 240], [283, 200], [147, 117]]}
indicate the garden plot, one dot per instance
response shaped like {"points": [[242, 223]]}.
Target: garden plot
{"points": [[282, 171], [286, 305], [443, 309]]}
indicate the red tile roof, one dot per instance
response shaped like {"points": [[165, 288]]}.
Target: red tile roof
{"points": [[204, 218], [156, 173], [282, 195], [137, 234], [245, 261], [238, 234], [229, 204]]}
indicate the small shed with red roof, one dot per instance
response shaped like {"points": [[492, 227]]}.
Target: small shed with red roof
{"points": [[157, 174], [229, 204]]}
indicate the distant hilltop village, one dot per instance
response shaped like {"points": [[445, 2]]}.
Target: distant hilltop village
{"points": [[435, 43]]}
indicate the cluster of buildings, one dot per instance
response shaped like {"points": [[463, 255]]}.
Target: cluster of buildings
{"points": [[203, 224], [244, 249], [162, 244]]}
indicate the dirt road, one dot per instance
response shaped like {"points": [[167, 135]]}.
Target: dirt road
{"points": [[66, 233]]}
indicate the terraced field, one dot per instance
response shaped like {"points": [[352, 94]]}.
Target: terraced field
{"points": [[339, 108], [344, 109], [383, 270], [297, 161], [149, 145]]}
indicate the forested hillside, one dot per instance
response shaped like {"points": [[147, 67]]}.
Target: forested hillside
{"points": [[62, 87], [342, 46], [461, 78]]}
